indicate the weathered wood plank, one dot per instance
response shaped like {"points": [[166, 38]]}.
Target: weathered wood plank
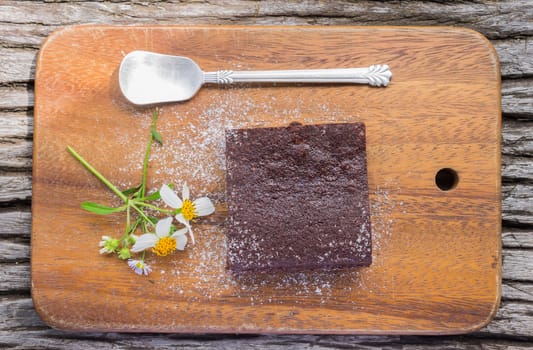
{"points": [[517, 291], [18, 125], [516, 169], [15, 186], [495, 19], [517, 137], [58, 340], [16, 147], [89, 341], [517, 97], [518, 238], [29, 36], [517, 265], [517, 149], [17, 312], [14, 277], [15, 154], [515, 57], [16, 65], [15, 222], [16, 97], [516, 204], [14, 250]]}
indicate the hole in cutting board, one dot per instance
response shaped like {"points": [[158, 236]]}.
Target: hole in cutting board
{"points": [[446, 179]]}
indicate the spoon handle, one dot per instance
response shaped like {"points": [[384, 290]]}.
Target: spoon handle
{"points": [[376, 75]]}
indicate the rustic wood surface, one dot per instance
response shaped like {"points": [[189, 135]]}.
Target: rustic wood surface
{"points": [[25, 24]]}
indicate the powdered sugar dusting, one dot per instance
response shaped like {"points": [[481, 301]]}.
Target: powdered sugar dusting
{"points": [[194, 152]]}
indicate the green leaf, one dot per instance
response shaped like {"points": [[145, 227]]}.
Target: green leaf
{"points": [[156, 135], [131, 190], [154, 220], [153, 197], [100, 208]]}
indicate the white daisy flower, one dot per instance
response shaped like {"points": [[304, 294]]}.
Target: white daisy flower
{"points": [[189, 209], [161, 242], [139, 267]]}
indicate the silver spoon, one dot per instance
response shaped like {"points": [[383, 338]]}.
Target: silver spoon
{"points": [[148, 78]]}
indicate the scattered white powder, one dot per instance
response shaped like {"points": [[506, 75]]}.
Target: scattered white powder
{"points": [[194, 151]]}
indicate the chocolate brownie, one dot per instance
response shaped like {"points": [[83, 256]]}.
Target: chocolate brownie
{"points": [[298, 198]]}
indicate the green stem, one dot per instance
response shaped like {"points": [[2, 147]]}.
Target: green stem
{"points": [[145, 166], [166, 211], [130, 230], [147, 154], [97, 173], [141, 213], [128, 220]]}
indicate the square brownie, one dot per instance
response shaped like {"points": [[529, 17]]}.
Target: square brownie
{"points": [[297, 198]]}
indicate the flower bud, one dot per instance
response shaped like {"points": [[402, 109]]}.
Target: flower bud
{"points": [[124, 253]]}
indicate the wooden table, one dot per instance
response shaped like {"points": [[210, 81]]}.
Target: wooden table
{"points": [[24, 25]]}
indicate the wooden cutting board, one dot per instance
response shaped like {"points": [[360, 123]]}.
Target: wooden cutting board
{"points": [[436, 253]]}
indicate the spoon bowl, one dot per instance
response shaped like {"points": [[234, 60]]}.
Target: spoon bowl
{"points": [[149, 78]]}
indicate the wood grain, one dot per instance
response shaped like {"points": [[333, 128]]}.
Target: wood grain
{"points": [[437, 254]]}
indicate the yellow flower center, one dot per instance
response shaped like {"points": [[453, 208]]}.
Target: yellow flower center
{"points": [[188, 210], [165, 246]]}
